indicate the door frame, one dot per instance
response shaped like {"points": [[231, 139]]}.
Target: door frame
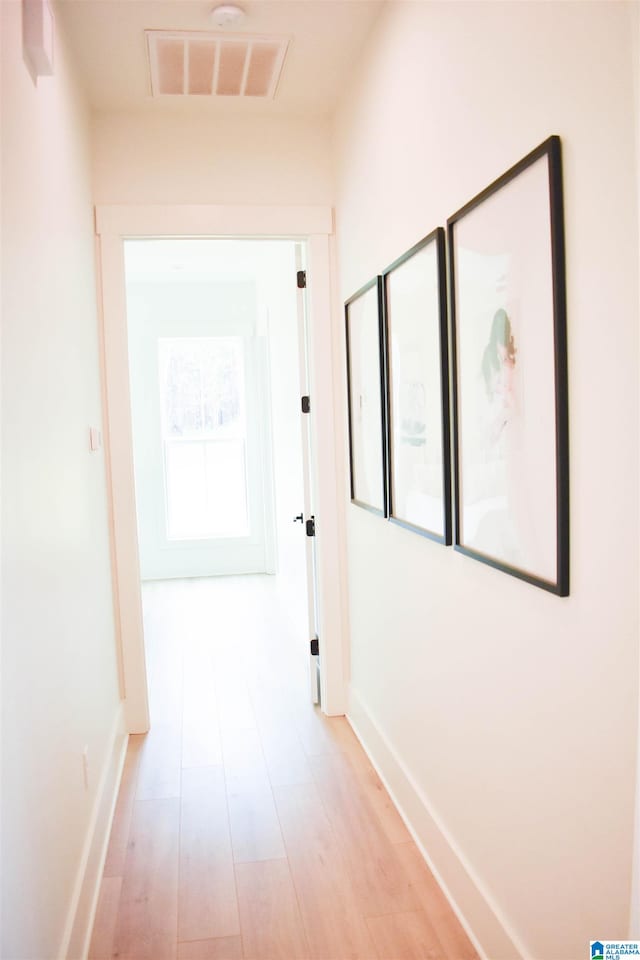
{"points": [[116, 223]]}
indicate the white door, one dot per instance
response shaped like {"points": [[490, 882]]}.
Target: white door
{"points": [[308, 517], [199, 418]]}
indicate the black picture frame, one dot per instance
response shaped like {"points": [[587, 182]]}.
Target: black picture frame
{"points": [[366, 397], [507, 250], [414, 292]]}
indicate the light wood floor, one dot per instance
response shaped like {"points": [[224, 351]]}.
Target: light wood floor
{"points": [[248, 825]]}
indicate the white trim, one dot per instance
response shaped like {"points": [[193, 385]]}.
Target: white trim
{"points": [[634, 912], [326, 482], [82, 909], [313, 224], [483, 922], [122, 491], [107, 459], [117, 220]]}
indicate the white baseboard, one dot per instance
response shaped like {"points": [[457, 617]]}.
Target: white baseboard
{"points": [[634, 917], [481, 919], [77, 935]]}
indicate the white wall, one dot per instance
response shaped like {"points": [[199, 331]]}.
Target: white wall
{"points": [[59, 683], [505, 717], [168, 158]]}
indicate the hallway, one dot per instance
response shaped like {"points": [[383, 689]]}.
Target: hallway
{"points": [[248, 824]]}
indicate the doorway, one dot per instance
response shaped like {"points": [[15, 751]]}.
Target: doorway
{"points": [[313, 225], [217, 352]]}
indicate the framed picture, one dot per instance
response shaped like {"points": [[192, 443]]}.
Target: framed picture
{"points": [[507, 289], [365, 381], [415, 319]]}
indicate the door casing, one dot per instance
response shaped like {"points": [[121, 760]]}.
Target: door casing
{"points": [[314, 225]]}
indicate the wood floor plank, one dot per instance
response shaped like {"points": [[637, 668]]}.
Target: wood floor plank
{"points": [[201, 742], [234, 704], [375, 791], [314, 731], [165, 660], [272, 928], [224, 948], [207, 903], [382, 804], [286, 761], [117, 849], [332, 920], [255, 828], [272, 700], [379, 881], [104, 927], [147, 926], [450, 932], [160, 766], [242, 753], [405, 936]]}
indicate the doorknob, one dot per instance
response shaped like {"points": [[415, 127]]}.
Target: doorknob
{"points": [[300, 517]]}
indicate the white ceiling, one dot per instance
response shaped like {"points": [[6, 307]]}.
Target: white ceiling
{"points": [[108, 42]]}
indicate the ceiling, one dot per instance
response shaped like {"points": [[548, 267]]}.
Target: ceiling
{"points": [[107, 40]]}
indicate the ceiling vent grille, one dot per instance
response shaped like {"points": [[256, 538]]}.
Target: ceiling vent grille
{"points": [[214, 65]]}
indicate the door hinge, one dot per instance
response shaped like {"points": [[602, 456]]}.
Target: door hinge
{"points": [[311, 527], [301, 279], [315, 647], [306, 404]]}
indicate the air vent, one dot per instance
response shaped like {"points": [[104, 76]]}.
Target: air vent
{"points": [[214, 65]]}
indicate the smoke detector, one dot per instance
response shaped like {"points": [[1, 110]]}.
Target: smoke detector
{"points": [[227, 15]]}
